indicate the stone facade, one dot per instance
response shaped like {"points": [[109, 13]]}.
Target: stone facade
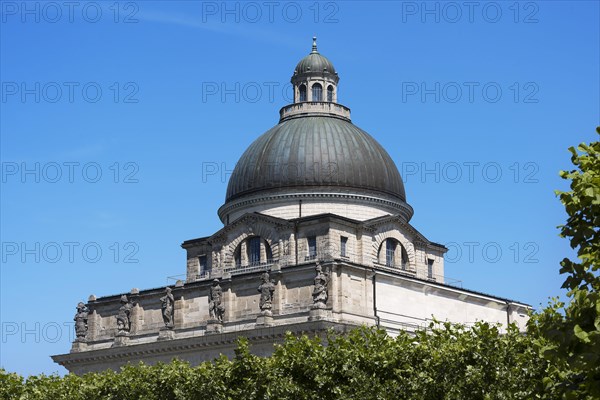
{"points": [[362, 290]]}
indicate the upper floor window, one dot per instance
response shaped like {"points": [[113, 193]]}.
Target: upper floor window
{"points": [[317, 92], [393, 254], [312, 247], [329, 93], [302, 92], [252, 251], [429, 268], [390, 252], [343, 246], [237, 256], [253, 248], [404, 258], [203, 263]]}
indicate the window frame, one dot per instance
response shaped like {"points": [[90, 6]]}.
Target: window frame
{"points": [[343, 246], [330, 93], [202, 266], [313, 91], [390, 253], [302, 93], [430, 263], [311, 247], [253, 249]]}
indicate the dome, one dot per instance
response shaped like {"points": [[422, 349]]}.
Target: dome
{"points": [[315, 160], [311, 152], [314, 63]]}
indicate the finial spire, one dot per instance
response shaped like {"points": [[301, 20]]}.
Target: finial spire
{"points": [[314, 47]]}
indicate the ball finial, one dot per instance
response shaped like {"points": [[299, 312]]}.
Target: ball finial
{"points": [[314, 46]]}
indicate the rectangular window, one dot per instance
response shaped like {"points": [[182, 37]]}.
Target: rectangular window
{"points": [[202, 260], [429, 268], [390, 252], [343, 243], [312, 247], [254, 250]]}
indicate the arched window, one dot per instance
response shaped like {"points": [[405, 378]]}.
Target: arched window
{"points": [[237, 256], [404, 260], [330, 93], [252, 251], [302, 90], [317, 92], [392, 254]]}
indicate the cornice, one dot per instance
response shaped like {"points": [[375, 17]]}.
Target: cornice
{"points": [[405, 210], [185, 345]]}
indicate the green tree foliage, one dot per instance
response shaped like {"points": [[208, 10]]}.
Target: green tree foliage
{"points": [[445, 362], [568, 336], [11, 385]]}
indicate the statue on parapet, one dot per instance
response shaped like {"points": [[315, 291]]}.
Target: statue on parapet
{"points": [[266, 290], [124, 316], [81, 322], [168, 308], [319, 293], [216, 308]]}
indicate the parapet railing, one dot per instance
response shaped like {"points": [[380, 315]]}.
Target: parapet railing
{"points": [[420, 274], [286, 261], [250, 267], [203, 275], [175, 278], [314, 107]]}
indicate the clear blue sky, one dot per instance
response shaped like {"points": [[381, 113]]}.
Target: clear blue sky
{"points": [[152, 94]]}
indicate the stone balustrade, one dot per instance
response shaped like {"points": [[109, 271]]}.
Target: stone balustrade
{"points": [[309, 108]]}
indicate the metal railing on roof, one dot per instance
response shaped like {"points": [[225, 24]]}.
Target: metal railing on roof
{"points": [[420, 274], [285, 261], [250, 267]]}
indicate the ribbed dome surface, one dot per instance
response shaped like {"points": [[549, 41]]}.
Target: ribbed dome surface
{"points": [[314, 63], [317, 151]]}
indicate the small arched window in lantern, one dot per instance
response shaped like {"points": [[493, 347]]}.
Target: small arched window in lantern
{"points": [[317, 92], [302, 91], [330, 93]]}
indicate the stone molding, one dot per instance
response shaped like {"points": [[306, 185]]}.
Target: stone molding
{"points": [[176, 347], [402, 209]]}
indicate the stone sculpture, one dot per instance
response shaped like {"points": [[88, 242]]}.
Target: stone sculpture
{"points": [[81, 322], [124, 316], [266, 290], [168, 308], [215, 302], [319, 293]]}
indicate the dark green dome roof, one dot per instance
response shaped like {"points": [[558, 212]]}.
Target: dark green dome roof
{"points": [[314, 63], [315, 152]]}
